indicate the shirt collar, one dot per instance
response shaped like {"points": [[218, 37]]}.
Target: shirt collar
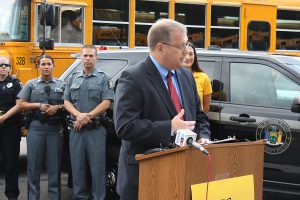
{"points": [[94, 72], [41, 80], [7, 79], [162, 70]]}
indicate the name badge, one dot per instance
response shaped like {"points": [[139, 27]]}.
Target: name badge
{"points": [[58, 90]]}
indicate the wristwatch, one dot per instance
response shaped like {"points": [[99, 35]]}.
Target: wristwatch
{"points": [[60, 106]]}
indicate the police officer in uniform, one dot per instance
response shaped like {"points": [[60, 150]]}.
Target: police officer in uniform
{"points": [[42, 98], [10, 130], [88, 94]]}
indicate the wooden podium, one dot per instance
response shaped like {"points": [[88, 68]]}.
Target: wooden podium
{"points": [[168, 175]]}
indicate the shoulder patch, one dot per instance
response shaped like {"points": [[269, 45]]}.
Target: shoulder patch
{"points": [[110, 84]]}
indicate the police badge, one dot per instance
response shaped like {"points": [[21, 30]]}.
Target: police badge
{"points": [[9, 85]]}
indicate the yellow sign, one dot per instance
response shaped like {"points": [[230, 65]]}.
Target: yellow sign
{"points": [[227, 189]]}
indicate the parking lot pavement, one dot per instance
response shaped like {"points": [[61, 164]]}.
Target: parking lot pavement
{"points": [[66, 193]]}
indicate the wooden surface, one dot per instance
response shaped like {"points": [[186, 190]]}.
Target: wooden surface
{"points": [[168, 175]]}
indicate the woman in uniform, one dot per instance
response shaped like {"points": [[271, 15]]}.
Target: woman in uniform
{"points": [[10, 130], [42, 98]]}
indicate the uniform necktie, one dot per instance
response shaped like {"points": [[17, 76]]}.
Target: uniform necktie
{"points": [[173, 93]]}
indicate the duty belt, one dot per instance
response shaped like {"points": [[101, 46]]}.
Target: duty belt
{"points": [[44, 118]]}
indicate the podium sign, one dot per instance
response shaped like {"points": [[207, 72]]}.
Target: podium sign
{"points": [[227, 189]]}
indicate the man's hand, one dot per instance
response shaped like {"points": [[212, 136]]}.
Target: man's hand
{"points": [[203, 141], [81, 120], [77, 125], [178, 123]]}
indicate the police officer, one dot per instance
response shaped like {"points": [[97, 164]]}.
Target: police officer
{"points": [[88, 94], [9, 128], [43, 98]]}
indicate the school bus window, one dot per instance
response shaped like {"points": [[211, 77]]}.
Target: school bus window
{"points": [[111, 22], [141, 32], [68, 25], [258, 36], [225, 22], [150, 11], [196, 36], [195, 23], [116, 10], [14, 23], [110, 34], [288, 30], [147, 12]]}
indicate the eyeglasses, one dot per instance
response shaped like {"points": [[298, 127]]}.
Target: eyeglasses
{"points": [[44, 64], [4, 65], [181, 47]]}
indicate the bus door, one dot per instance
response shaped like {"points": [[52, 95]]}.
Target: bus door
{"points": [[258, 27]]}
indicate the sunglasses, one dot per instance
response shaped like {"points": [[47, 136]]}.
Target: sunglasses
{"points": [[4, 65]]}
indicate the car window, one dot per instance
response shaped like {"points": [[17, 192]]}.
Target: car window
{"points": [[261, 85], [208, 68], [110, 67], [286, 90]]}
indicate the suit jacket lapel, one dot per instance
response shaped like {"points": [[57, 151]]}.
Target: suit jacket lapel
{"points": [[156, 80]]}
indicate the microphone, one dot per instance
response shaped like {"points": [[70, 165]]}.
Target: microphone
{"points": [[47, 90], [185, 137]]}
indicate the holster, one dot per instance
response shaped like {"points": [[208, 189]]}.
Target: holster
{"points": [[28, 117]]}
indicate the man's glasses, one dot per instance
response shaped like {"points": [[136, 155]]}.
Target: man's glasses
{"points": [[181, 47], [4, 65]]}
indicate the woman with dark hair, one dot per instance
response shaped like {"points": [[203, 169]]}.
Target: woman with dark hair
{"points": [[202, 81], [42, 98]]}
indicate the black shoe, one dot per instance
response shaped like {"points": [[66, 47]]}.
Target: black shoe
{"points": [[12, 198]]}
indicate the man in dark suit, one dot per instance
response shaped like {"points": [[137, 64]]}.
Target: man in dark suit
{"points": [[146, 110]]}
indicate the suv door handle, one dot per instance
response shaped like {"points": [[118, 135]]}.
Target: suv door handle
{"points": [[242, 119]]}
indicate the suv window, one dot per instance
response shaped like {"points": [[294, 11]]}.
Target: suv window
{"points": [[110, 67], [257, 84], [208, 68], [286, 90]]}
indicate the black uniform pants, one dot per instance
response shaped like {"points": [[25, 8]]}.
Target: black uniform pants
{"points": [[9, 151]]}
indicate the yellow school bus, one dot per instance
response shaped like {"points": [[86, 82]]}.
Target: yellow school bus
{"points": [[21, 32], [254, 25], [258, 25]]}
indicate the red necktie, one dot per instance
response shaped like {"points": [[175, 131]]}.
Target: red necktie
{"points": [[173, 93]]}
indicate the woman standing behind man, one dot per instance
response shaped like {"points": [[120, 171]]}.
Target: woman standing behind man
{"points": [[43, 98], [202, 81]]}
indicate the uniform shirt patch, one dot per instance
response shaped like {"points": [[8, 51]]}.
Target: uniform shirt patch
{"points": [[9, 85], [110, 84], [58, 90]]}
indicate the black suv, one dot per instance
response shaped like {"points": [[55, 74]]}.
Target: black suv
{"points": [[251, 100]]}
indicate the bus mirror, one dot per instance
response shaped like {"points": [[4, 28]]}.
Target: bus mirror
{"points": [[296, 105], [47, 14], [48, 44]]}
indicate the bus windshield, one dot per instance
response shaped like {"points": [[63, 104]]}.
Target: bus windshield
{"points": [[14, 20]]}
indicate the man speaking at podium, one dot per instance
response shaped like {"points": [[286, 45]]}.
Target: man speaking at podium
{"points": [[153, 99]]}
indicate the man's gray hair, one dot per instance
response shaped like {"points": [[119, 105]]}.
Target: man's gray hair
{"points": [[162, 31]]}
